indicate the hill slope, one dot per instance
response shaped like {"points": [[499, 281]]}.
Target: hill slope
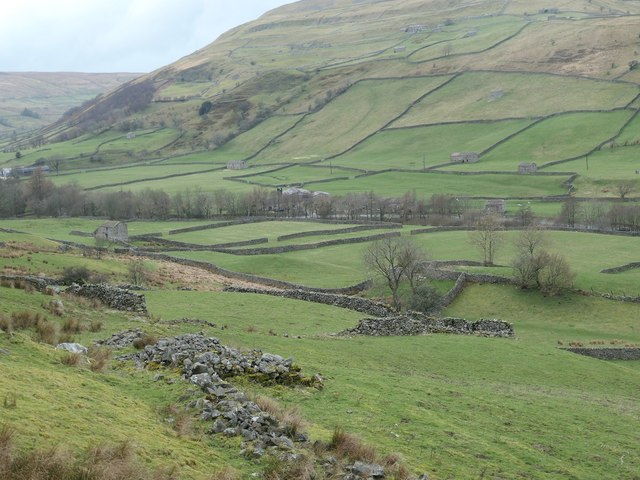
{"points": [[32, 100], [335, 83]]}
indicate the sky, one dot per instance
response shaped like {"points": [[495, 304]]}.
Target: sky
{"points": [[114, 35]]}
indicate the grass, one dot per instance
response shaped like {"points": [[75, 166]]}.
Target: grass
{"points": [[363, 109], [469, 97], [522, 392], [397, 184], [550, 140], [406, 148], [457, 39]]}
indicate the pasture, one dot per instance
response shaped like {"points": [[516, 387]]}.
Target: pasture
{"points": [[495, 96]]}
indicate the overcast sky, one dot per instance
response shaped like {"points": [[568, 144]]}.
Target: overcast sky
{"points": [[114, 35]]}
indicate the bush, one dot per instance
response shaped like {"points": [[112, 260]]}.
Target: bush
{"points": [[79, 275], [425, 298], [99, 358], [349, 446]]}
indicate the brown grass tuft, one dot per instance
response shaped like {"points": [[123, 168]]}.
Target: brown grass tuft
{"points": [[144, 340], [71, 359], [71, 325], [227, 473], [99, 358], [55, 307], [47, 332], [349, 446], [95, 326]]}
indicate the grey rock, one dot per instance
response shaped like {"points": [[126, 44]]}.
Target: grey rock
{"points": [[72, 347], [367, 470], [203, 380]]}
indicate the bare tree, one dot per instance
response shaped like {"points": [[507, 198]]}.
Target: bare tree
{"points": [[535, 267], [395, 259], [624, 188], [138, 272], [487, 237]]}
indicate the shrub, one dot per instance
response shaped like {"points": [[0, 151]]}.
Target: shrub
{"points": [[78, 275], [95, 326], [425, 298], [56, 307]]}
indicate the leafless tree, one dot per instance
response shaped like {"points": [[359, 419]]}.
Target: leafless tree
{"points": [[487, 237], [395, 259], [624, 188]]}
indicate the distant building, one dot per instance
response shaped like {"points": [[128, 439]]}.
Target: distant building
{"points": [[549, 10], [415, 28], [237, 165], [399, 49], [321, 194], [496, 206], [464, 157], [527, 167], [295, 191], [112, 231]]}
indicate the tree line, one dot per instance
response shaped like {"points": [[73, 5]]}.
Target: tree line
{"points": [[39, 196]]}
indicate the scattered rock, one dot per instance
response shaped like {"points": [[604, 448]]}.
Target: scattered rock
{"points": [[72, 347], [121, 339]]}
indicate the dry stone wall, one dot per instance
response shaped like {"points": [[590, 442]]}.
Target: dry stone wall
{"points": [[417, 324], [357, 304], [608, 353], [114, 297]]}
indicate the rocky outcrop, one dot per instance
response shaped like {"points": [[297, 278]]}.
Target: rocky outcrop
{"points": [[113, 297], [200, 354], [207, 364], [121, 339], [357, 304], [417, 324]]}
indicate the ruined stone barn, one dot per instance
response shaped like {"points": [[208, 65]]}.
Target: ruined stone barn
{"points": [[464, 157], [112, 231]]}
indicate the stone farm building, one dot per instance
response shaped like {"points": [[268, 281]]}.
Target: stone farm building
{"points": [[527, 167], [112, 231], [495, 206], [237, 165], [464, 157]]}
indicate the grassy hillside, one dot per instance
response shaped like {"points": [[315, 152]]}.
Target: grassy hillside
{"points": [[373, 89], [29, 101], [451, 406]]}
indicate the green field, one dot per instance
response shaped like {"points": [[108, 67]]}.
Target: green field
{"points": [[469, 97], [486, 185], [468, 37], [551, 140], [406, 148], [363, 109]]}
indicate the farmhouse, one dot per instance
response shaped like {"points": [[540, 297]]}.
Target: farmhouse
{"points": [[112, 231], [495, 206], [464, 157], [527, 167], [237, 165], [295, 191]]}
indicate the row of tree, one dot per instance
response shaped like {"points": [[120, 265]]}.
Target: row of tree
{"points": [[38, 195]]}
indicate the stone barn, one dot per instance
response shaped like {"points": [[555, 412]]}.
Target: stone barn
{"points": [[237, 165], [464, 157], [527, 167], [495, 206], [112, 231]]}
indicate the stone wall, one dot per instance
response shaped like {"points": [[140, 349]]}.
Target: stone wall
{"points": [[310, 246], [448, 298], [113, 297], [359, 228], [608, 353], [357, 304], [417, 324], [199, 247], [39, 283], [622, 268], [246, 277]]}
